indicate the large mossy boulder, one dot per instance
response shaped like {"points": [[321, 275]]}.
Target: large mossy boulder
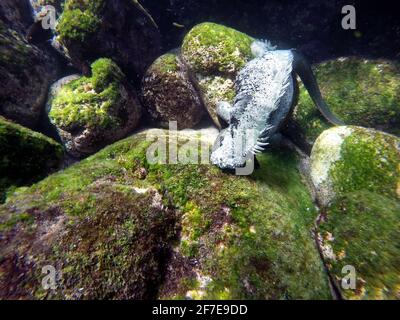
{"points": [[168, 94], [91, 112], [25, 156], [121, 30], [26, 73], [361, 92], [119, 226], [357, 175], [347, 159], [216, 53]]}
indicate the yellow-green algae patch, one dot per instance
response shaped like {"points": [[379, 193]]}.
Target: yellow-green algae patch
{"points": [[212, 48], [25, 156], [360, 92], [89, 101], [80, 20], [250, 236], [362, 230], [361, 221], [215, 54]]}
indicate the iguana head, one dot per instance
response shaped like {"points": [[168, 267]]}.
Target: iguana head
{"points": [[225, 153], [229, 151]]}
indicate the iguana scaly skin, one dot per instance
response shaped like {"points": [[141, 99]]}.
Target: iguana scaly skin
{"points": [[265, 94]]}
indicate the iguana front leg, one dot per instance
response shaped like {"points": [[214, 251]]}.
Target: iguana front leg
{"points": [[224, 111]]}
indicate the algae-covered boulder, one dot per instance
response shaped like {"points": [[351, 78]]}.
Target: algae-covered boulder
{"points": [[360, 92], [91, 112], [118, 29], [216, 54], [25, 75], [108, 228], [211, 48], [356, 172], [169, 95], [360, 237], [25, 156], [347, 159]]}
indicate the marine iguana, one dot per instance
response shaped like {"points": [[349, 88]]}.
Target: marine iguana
{"points": [[265, 97]]}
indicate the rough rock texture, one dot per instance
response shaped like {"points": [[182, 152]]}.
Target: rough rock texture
{"points": [[118, 29], [360, 92], [362, 230], [289, 24], [347, 159], [91, 112], [169, 95], [16, 14], [215, 54], [104, 224], [25, 156], [357, 175], [25, 75]]}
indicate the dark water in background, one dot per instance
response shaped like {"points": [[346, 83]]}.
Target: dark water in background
{"points": [[313, 26]]}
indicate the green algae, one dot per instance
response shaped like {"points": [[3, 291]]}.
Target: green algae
{"points": [[26, 156], [369, 161], [80, 20], [89, 101], [210, 48], [250, 235], [360, 92], [362, 230]]}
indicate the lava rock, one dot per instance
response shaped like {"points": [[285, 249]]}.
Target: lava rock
{"points": [[356, 172], [361, 92], [16, 14], [26, 73], [169, 95], [110, 233], [347, 159], [215, 54], [117, 29], [91, 112], [26, 156]]}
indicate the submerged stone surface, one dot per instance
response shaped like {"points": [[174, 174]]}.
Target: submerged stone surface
{"points": [[91, 112], [105, 225], [118, 29], [216, 53], [347, 159], [169, 95], [361, 92], [356, 172], [25, 156], [25, 76]]}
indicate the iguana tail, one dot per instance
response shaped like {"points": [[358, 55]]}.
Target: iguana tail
{"points": [[303, 69]]}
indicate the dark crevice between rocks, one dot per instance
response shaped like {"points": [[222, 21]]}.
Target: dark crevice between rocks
{"points": [[333, 285]]}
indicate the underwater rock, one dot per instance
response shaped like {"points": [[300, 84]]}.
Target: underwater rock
{"points": [[25, 75], [26, 156], [360, 92], [114, 250], [356, 172], [16, 14], [347, 159], [56, 87], [169, 95], [91, 112], [360, 236], [215, 54], [106, 229], [118, 29]]}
